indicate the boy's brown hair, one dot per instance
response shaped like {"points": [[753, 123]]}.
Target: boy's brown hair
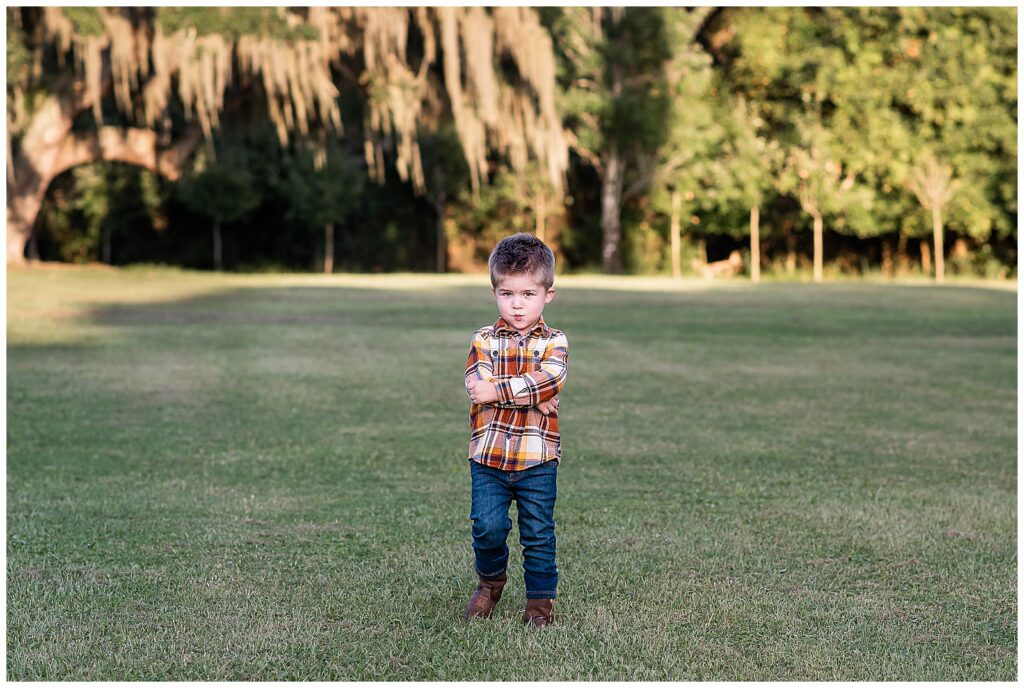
{"points": [[522, 253]]}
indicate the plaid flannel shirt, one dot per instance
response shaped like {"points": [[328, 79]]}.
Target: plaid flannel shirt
{"points": [[511, 434]]}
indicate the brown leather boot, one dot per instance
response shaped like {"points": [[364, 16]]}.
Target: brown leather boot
{"points": [[538, 612], [486, 595]]}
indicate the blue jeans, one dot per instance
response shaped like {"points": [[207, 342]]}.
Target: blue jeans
{"points": [[534, 492]]}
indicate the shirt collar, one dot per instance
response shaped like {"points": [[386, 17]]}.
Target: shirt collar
{"points": [[540, 327]]}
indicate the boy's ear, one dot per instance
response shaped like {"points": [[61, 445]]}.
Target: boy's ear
{"points": [[550, 295]]}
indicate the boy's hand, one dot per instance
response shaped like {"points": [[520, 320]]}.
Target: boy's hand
{"points": [[482, 391], [548, 407]]}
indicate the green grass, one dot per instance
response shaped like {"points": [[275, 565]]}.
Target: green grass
{"points": [[264, 477]]}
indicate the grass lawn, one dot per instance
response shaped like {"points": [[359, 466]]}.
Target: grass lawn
{"points": [[264, 477]]}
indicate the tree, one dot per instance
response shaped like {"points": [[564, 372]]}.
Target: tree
{"points": [[616, 100], [492, 108], [91, 211], [745, 173], [957, 99], [323, 189], [534, 197], [121, 65], [817, 178], [510, 112], [681, 167], [939, 80], [888, 83], [934, 186], [92, 182], [446, 174], [222, 191]]}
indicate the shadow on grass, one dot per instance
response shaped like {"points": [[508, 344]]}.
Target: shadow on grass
{"points": [[802, 310]]}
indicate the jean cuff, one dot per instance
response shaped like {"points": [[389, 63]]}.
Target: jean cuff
{"points": [[491, 576], [541, 595]]}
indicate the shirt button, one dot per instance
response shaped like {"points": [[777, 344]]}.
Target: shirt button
{"points": [[494, 353], [536, 353]]}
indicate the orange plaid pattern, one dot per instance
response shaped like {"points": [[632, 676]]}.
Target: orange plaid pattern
{"points": [[511, 434]]}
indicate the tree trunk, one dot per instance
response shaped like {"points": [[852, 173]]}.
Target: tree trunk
{"points": [[217, 258], [960, 249], [35, 165], [33, 247], [902, 260], [18, 233], [940, 268], [106, 244], [674, 230], [49, 147], [542, 215], [926, 258], [818, 231], [887, 264], [755, 244], [442, 248], [790, 252], [611, 212], [329, 248]]}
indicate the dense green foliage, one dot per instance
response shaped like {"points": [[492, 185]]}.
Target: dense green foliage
{"points": [[237, 477], [85, 20], [104, 212], [888, 85], [735, 107], [239, 21], [18, 59]]}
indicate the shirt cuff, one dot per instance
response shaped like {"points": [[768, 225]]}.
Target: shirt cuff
{"points": [[504, 390]]}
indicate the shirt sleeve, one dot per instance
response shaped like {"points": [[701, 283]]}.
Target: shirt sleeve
{"points": [[479, 365], [539, 385]]}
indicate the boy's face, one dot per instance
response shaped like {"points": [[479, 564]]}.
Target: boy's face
{"points": [[521, 300]]}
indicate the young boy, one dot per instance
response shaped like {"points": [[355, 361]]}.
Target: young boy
{"points": [[515, 370]]}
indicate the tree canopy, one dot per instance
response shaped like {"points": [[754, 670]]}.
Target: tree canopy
{"points": [[66, 61], [609, 131]]}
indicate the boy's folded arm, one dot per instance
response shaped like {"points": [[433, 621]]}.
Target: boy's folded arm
{"points": [[478, 364], [540, 385]]}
